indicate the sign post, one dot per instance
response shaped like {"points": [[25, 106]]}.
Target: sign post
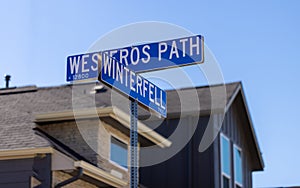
{"points": [[120, 69], [133, 145]]}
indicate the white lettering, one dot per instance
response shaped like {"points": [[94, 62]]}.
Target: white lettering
{"points": [[119, 72], [74, 65], [112, 58], [174, 50], [132, 74], [196, 45], [84, 62], [145, 87], [107, 64], [146, 60], [161, 100], [151, 92], [139, 85], [95, 61], [183, 43], [124, 56], [156, 97], [126, 76], [113, 68], [112, 53], [161, 50], [134, 49]]}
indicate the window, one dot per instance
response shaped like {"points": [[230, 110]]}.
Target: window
{"points": [[118, 152], [225, 161], [238, 170], [231, 164]]}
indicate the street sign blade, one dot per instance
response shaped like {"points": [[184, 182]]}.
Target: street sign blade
{"points": [[83, 66], [160, 55], [133, 85]]}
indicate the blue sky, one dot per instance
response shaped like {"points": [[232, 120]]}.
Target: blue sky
{"points": [[256, 42]]}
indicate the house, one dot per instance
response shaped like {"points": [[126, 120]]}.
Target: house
{"points": [[76, 136], [228, 162]]}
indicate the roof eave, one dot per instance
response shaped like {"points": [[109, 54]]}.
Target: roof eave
{"points": [[238, 90], [99, 174], [112, 112], [23, 153]]}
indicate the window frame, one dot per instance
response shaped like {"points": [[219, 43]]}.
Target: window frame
{"points": [[221, 160], [124, 142], [234, 165]]}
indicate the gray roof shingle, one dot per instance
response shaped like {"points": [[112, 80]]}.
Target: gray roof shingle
{"points": [[18, 107]]}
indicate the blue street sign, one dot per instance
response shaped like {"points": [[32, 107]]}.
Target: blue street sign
{"points": [[160, 55], [133, 85], [83, 66], [120, 67]]}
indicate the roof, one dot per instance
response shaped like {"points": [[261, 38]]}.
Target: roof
{"points": [[19, 106], [239, 91], [205, 96]]}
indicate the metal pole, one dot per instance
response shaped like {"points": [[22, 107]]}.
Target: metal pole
{"points": [[133, 145]]}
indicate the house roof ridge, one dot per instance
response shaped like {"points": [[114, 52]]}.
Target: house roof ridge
{"points": [[30, 88], [22, 89], [206, 86]]}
